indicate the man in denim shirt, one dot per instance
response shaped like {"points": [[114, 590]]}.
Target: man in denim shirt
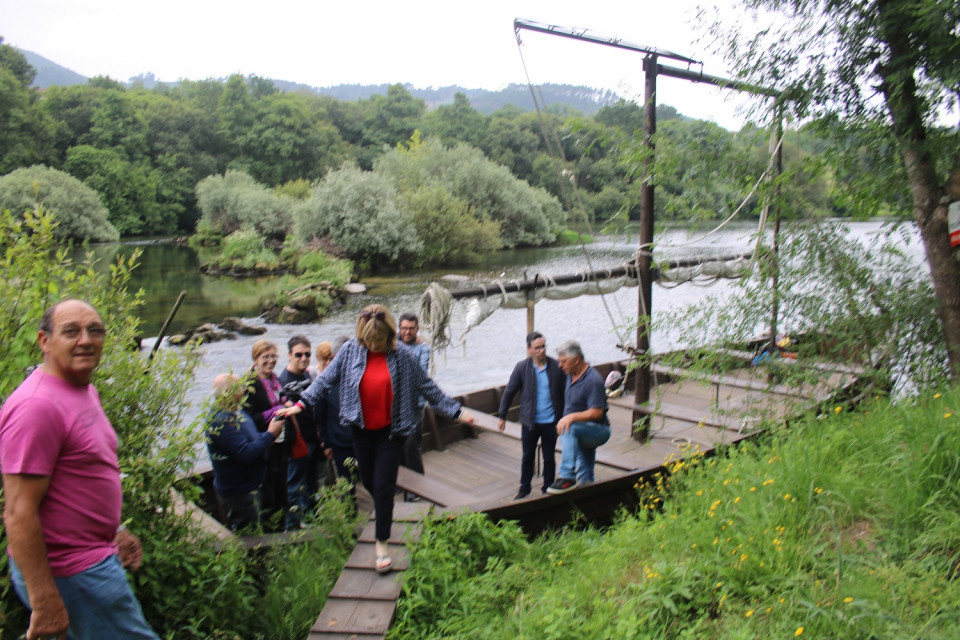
{"points": [[584, 425]]}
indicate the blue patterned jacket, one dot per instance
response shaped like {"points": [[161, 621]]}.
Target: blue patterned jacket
{"points": [[408, 379]]}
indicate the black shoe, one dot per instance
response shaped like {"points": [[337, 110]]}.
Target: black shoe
{"points": [[562, 485], [523, 493]]}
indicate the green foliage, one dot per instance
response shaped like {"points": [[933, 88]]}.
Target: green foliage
{"points": [[77, 208], [245, 249], [362, 215], [236, 200], [319, 266], [792, 536], [526, 216], [869, 305], [569, 236], [460, 568], [24, 132], [449, 231], [188, 587], [129, 191]]}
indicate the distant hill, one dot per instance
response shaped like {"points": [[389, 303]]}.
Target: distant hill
{"points": [[49, 73], [552, 96]]}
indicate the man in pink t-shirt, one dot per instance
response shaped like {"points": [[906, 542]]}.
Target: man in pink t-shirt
{"points": [[61, 481]]}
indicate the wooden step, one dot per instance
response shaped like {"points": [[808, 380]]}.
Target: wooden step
{"points": [[429, 489]]}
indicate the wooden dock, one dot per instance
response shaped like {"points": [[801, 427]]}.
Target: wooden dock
{"points": [[477, 469]]}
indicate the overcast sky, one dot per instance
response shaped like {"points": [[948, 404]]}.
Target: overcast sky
{"points": [[427, 43]]}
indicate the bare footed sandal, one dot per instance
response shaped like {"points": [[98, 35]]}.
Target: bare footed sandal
{"points": [[384, 564]]}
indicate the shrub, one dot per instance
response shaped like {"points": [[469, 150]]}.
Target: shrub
{"points": [[361, 213], [77, 209], [235, 200], [450, 233], [526, 215]]}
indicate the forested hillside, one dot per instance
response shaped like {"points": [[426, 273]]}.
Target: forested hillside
{"points": [[144, 149]]}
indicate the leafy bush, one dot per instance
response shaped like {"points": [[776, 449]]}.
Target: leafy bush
{"points": [[77, 208], [450, 233], [361, 213], [188, 585], [235, 200], [526, 215], [319, 266]]}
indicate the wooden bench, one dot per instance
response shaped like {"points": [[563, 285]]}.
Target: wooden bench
{"points": [[431, 490]]}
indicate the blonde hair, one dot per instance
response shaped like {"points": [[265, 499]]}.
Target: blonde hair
{"points": [[261, 346], [376, 328], [324, 351]]}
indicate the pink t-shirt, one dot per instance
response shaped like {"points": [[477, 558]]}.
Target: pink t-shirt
{"points": [[49, 427]]}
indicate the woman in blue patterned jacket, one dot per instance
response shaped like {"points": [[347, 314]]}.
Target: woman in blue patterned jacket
{"points": [[378, 389]]}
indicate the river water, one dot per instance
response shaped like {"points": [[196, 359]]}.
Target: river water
{"points": [[488, 352]]}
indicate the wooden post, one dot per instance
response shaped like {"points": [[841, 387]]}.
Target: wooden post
{"points": [[775, 277], [644, 259], [531, 302]]}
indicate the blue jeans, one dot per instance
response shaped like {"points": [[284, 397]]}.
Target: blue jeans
{"points": [[99, 603], [579, 444]]}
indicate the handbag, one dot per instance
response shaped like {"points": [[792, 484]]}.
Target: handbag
{"points": [[299, 447]]}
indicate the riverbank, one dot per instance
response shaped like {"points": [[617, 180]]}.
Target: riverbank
{"points": [[790, 537]]}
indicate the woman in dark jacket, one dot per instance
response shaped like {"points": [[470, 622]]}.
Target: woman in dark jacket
{"points": [[378, 387]]}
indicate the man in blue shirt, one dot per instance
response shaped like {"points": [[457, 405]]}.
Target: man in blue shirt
{"points": [[408, 332], [540, 383], [584, 425]]}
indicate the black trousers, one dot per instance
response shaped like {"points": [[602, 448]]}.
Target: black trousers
{"points": [[378, 458], [412, 456], [546, 433]]}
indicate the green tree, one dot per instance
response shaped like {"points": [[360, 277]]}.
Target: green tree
{"points": [[236, 201], [361, 213], [128, 190], [392, 118], [24, 133], [77, 208], [451, 234], [527, 216], [892, 67], [457, 122]]}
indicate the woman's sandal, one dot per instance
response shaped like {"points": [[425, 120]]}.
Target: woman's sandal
{"points": [[384, 564]]}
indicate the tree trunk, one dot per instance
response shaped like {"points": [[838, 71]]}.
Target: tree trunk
{"points": [[930, 197]]}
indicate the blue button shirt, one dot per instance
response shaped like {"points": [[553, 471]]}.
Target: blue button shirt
{"points": [[544, 413]]}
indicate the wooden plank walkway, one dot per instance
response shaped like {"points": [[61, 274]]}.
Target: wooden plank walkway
{"points": [[481, 473]]}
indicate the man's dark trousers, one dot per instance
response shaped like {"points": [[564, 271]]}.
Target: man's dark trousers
{"points": [[547, 434]]}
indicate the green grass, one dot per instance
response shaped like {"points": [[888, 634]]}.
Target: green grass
{"points": [[845, 526]]}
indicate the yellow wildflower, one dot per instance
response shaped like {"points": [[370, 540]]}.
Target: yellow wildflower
{"points": [[947, 415], [749, 613], [798, 632], [837, 410], [848, 599], [936, 396]]}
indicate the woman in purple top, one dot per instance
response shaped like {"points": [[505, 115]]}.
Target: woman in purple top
{"points": [[262, 401]]}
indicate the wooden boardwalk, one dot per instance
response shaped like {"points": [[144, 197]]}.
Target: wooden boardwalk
{"points": [[481, 474]]}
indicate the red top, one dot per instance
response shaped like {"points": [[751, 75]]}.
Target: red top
{"points": [[376, 392]]}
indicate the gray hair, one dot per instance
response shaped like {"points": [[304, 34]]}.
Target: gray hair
{"points": [[570, 349]]}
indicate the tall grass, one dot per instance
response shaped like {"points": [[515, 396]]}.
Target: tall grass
{"points": [[845, 526]]}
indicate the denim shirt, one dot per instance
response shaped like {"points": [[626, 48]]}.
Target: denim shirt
{"points": [[408, 379]]}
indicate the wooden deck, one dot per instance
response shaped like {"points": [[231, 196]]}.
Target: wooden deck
{"points": [[480, 473]]}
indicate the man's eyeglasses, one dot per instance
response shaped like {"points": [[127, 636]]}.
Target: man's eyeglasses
{"points": [[366, 315], [305, 354]]}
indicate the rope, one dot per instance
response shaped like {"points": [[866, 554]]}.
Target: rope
{"points": [[436, 305]]}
